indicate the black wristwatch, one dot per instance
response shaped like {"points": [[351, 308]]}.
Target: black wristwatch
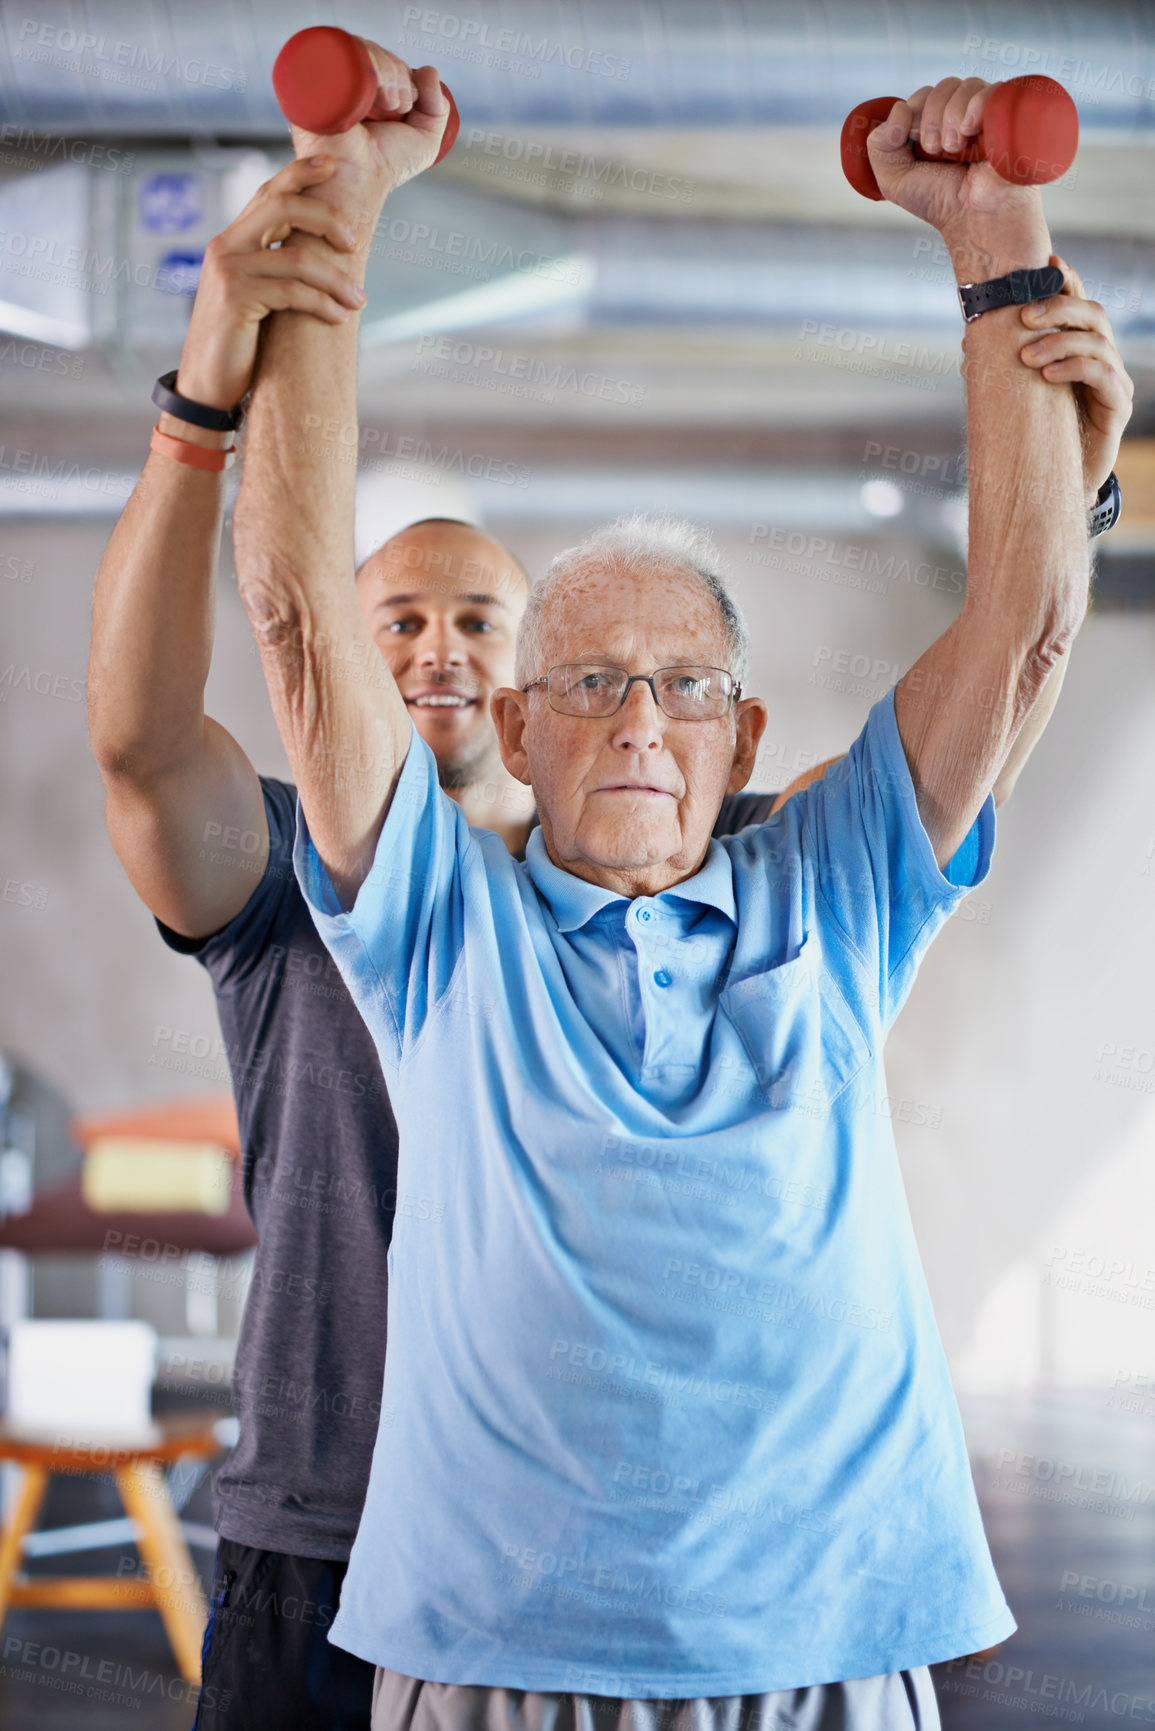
{"points": [[1104, 513], [200, 414], [1017, 289]]}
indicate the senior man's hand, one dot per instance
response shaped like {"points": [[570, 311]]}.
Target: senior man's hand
{"points": [[375, 157], [989, 225]]}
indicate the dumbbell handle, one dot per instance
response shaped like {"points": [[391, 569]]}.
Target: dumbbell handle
{"points": [[326, 82], [1030, 135]]}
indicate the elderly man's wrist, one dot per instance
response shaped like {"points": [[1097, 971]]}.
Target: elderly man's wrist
{"points": [[981, 252], [357, 196]]}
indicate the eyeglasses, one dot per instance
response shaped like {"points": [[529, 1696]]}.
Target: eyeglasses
{"points": [[683, 693]]}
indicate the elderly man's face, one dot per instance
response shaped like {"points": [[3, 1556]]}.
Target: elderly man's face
{"points": [[629, 800]]}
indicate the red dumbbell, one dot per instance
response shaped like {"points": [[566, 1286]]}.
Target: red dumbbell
{"points": [[1030, 135], [326, 82]]}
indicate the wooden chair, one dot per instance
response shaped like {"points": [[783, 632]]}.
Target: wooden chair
{"points": [[173, 1586]]}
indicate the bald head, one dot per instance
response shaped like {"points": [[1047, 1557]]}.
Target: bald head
{"points": [[443, 600], [443, 547]]}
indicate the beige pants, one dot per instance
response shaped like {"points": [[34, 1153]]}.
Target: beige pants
{"points": [[899, 1701]]}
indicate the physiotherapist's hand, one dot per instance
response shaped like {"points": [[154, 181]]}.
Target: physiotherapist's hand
{"points": [[375, 157], [1079, 350], [990, 226], [243, 281]]}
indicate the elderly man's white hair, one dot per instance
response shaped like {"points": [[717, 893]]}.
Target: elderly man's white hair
{"points": [[635, 544]]}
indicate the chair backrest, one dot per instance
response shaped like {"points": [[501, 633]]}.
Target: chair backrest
{"points": [[81, 1378]]}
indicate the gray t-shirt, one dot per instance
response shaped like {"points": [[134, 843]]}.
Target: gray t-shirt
{"points": [[320, 1180]]}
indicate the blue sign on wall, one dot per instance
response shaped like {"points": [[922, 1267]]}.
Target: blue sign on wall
{"points": [[178, 273], [170, 203]]}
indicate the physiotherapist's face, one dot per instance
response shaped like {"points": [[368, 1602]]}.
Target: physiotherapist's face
{"points": [[629, 800], [442, 601]]}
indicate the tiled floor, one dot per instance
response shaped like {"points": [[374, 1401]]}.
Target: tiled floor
{"points": [[1068, 1497], [1084, 1653]]}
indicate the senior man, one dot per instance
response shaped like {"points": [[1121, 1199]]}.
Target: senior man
{"points": [[689, 1440], [207, 844]]}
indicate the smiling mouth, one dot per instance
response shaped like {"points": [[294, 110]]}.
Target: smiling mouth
{"points": [[442, 700]]}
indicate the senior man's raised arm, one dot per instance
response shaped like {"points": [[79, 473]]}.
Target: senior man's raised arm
{"points": [[1076, 353], [343, 723], [962, 705]]}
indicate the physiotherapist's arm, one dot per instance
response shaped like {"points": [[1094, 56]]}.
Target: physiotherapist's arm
{"points": [[177, 783], [344, 725], [965, 701], [814, 773]]}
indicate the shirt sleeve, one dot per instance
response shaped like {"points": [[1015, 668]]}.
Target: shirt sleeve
{"points": [[739, 810], [229, 954], [875, 866], [397, 947]]}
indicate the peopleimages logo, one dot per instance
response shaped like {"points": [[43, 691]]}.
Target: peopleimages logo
{"points": [[469, 36], [455, 250], [1094, 80], [41, 148], [48, 472], [792, 1300], [534, 162], [543, 1568], [1047, 1693], [520, 374], [717, 1504], [120, 62], [1072, 1482], [669, 1380], [42, 681]]}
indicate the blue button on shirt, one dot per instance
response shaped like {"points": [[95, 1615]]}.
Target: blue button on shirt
{"points": [[665, 1411]]}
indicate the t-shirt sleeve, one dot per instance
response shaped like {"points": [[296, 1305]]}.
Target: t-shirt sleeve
{"points": [[739, 810], [397, 947], [875, 866], [227, 954]]}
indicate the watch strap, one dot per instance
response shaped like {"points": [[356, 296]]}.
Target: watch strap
{"points": [[1017, 288], [200, 414], [192, 456], [1104, 513]]}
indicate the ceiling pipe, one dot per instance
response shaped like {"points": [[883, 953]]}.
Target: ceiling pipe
{"points": [[206, 69]]}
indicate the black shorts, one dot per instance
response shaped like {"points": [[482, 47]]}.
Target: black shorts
{"points": [[267, 1659]]}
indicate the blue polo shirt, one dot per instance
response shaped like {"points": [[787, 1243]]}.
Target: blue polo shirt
{"points": [[665, 1410]]}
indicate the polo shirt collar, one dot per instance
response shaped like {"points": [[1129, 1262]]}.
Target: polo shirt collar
{"points": [[573, 901]]}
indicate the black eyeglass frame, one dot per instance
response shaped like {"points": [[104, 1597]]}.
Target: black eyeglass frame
{"points": [[633, 679]]}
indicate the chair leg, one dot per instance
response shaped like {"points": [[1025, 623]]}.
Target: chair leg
{"points": [[175, 1582], [25, 1508]]}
